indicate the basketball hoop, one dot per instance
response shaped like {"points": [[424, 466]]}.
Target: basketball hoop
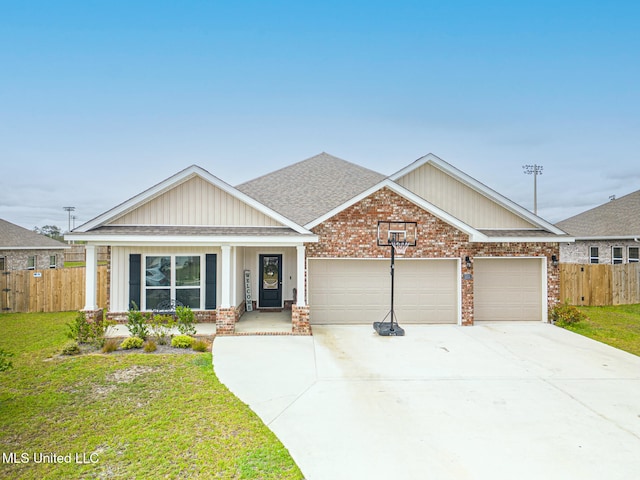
{"points": [[400, 247]]}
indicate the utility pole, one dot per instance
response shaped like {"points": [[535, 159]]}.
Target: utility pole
{"points": [[69, 209], [534, 170]]}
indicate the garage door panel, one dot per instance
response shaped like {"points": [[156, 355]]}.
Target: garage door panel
{"points": [[358, 291], [508, 289]]}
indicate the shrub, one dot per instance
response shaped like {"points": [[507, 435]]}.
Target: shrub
{"points": [[182, 341], [5, 363], [150, 346], [110, 345], [71, 348], [186, 319], [137, 324], [131, 342], [78, 330], [200, 346], [565, 314], [161, 326]]}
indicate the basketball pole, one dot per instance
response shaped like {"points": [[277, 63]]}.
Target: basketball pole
{"points": [[388, 329]]}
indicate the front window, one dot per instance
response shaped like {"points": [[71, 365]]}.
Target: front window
{"points": [[173, 277], [634, 254], [617, 255], [31, 262], [594, 255]]}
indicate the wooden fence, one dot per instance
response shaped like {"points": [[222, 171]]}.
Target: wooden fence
{"points": [[54, 290], [597, 285]]}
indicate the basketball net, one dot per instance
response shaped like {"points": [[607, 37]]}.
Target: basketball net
{"points": [[400, 247]]}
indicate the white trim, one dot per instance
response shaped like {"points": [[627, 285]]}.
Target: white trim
{"points": [[478, 187], [550, 239], [200, 240], [172, 287], [173, 181], [611, 237]]}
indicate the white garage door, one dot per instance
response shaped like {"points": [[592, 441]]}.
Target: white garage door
{"points": [[508, 289], [359, 291]]}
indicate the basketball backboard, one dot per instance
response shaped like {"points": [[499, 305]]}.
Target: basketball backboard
{"points": [[399, 232]]}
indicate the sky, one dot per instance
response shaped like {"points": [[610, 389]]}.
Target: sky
{"points": [[101, 100]]}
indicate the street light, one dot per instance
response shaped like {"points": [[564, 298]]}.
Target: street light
{"points": [[534, 170], [69, 209]]}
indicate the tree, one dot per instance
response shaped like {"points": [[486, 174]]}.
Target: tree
{"points": [[50, 231]]}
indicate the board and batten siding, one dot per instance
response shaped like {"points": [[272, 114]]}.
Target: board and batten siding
{"points": [[458, 199], [195, 202], [119, 295]]}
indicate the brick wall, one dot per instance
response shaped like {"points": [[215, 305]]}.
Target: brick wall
{"points": [[18, 259], [578, 252], [352, 234]]}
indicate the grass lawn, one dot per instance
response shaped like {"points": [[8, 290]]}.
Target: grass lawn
{"points": [[618, 326], [134, 415]]}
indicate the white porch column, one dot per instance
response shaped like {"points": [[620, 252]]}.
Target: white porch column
{"points": [[91, 278], [300, 270], [225, 301]]}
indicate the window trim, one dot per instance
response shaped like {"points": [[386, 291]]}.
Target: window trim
{"points": [[635, 259], [54, 263], [3, 263], [172, 287], [617, 260], [594, 259], [35, 262]]}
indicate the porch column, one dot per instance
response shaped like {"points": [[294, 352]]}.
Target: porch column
{"points": [[300, 269], [225, 301], [91, 278]]}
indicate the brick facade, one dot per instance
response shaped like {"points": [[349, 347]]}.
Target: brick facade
{"points": [[579, 252], [19, 259], [352, 234]]}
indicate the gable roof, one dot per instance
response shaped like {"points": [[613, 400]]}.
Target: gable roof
{"points": [[14, 237], [537, 223], [172, 182], [619, 218], [309, 189]]}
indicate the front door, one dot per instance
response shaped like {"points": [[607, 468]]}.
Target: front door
{"points": [[270, 281]]}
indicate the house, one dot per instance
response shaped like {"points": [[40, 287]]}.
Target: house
{"points": [[609, 233], [22, 249], [305, 237]]}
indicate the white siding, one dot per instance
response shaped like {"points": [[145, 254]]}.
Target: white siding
{"points": [[195, 202]]}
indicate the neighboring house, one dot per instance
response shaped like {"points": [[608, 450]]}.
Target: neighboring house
{"points": [[607, 234], [304, 237], [22, 249]]}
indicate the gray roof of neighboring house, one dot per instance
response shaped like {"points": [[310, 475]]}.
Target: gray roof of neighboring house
{"points": [[14, 237], [308, 189], [616, 218]]}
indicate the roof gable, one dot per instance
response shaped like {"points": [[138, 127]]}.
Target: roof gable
{"points": [[616, 218], [191, 197], [465, 198], [308, 189], [14, 237]]}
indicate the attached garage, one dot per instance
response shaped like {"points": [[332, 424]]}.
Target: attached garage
{"points": [[509, 289], [357, 291]]}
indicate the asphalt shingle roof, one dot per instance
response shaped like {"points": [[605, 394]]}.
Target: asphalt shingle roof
{"points": [[308, 189], [616, 218], [13, 236]]}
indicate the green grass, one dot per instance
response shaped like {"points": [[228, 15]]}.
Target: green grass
{"points": [[142, 416], [618, 326]]}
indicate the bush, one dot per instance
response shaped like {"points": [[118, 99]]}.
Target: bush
{"points": [[200, 346], [182, 341], [131, 342], [137, 324], [161, 326], [71, 348], [565, 314], [186, 320], [83, 331], [150, 346], [5, 363], [110, 345]]}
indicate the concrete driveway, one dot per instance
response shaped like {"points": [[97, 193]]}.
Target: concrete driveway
{"points": [[493, 401]]}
